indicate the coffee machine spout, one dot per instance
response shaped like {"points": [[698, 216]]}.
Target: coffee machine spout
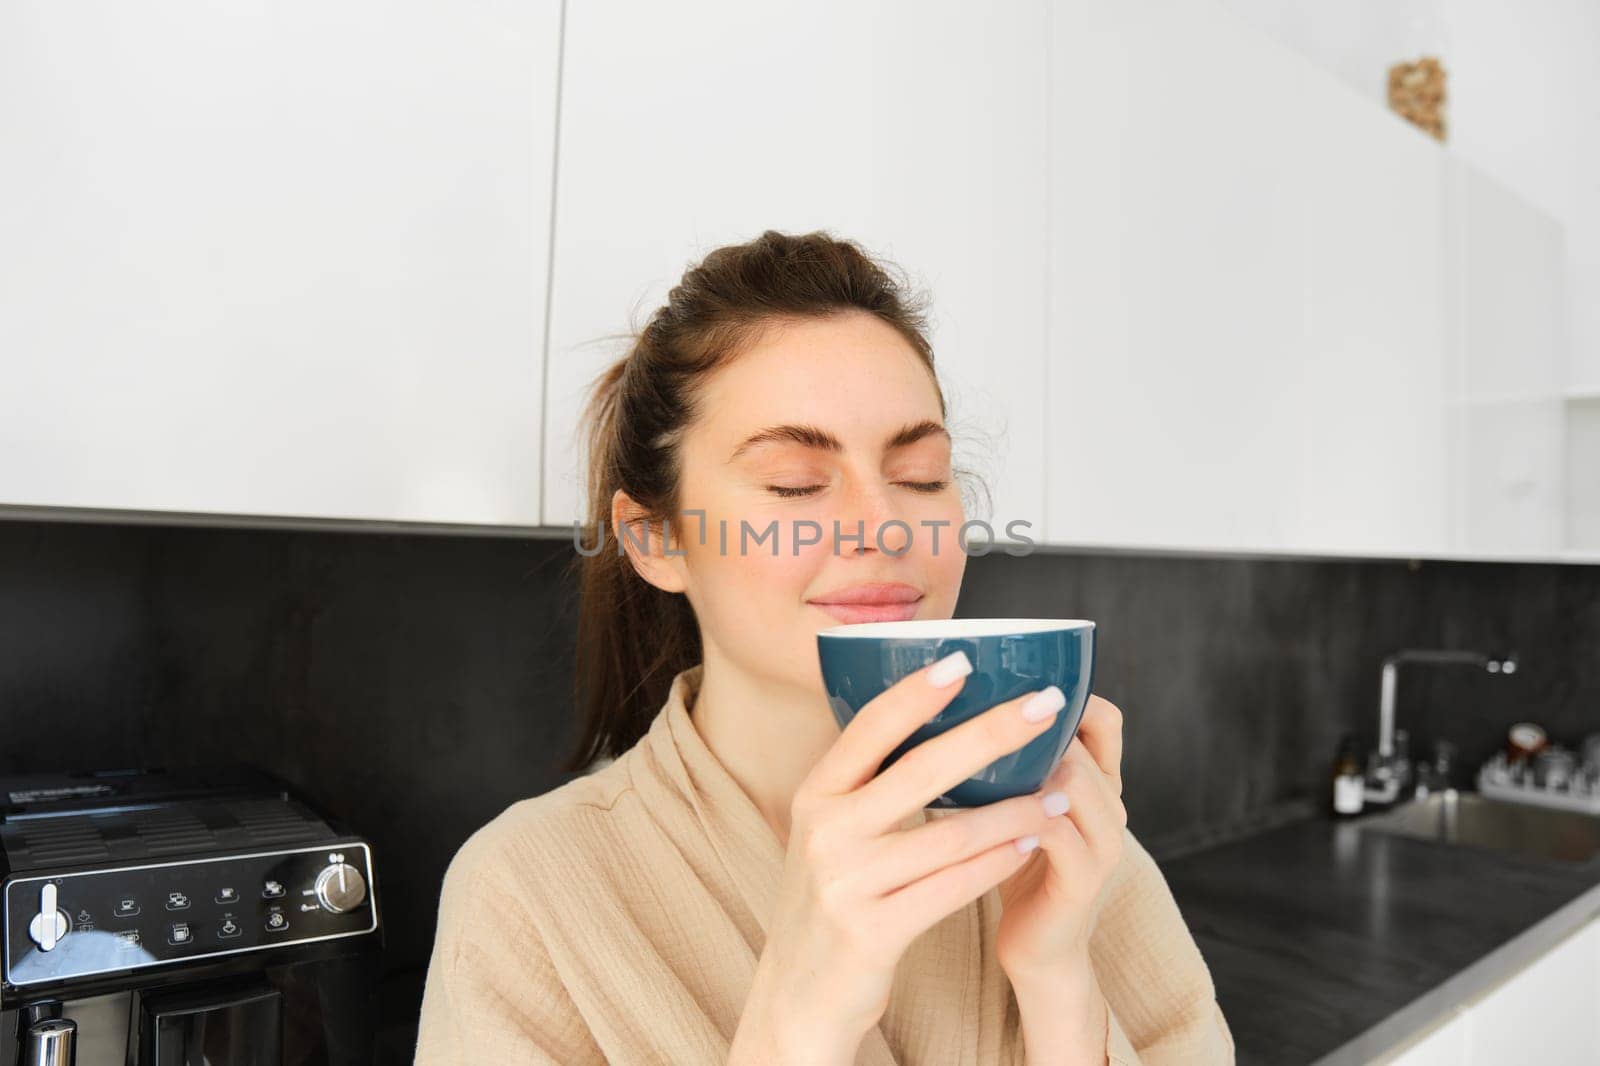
{"points": [[51, 1042]]}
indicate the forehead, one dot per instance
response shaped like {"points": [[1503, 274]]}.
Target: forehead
{"points": [[852, 375]]}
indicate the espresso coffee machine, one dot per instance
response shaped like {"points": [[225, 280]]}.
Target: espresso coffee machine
{"points": [[196, 918]]}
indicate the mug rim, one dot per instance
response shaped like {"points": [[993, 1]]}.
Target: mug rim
{"points": [[952, 628]]}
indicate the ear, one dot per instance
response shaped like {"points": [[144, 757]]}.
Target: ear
{"points": [[646, 544]]}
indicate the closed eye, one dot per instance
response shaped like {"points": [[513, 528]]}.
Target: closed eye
{"points": [[808, 490]]}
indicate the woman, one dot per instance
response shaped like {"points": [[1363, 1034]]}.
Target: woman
{"points": [[738, 884]]}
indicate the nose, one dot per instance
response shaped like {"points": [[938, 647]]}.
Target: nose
{"points": [[871, 510]]}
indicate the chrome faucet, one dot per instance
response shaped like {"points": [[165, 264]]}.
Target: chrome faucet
{"points": [[1386, 771]]}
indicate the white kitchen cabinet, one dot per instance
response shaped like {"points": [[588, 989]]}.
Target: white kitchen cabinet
{"points": [[914, 128], [1546, 1013], [1178, 276], [1373, 435], [1582, 420], [282, 260], [1447, 1045], [1505, 396], [1282, 319], [1188, 290], [1508, 470], [1509, 262]]}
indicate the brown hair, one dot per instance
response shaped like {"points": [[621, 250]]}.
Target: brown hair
{"points": [[633, 637]]}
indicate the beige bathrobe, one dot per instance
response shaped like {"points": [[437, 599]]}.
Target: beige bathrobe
{"points": [[619, 919]]}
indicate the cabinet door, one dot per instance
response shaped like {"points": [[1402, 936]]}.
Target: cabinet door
{"points": [[1445, 1046], [275, 259], [1373, 437], [1509, 261], [1546, 1013], [1505, 391], [1582, 507], [914, 128], [1177, 218], [1508, 470]]}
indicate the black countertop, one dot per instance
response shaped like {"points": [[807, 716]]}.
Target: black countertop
{"points": [[1329, 944]]}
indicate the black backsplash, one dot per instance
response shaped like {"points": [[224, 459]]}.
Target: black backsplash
{"points": [[414, 685]]}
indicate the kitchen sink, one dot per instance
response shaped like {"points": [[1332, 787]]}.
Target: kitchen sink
{"points": [[1470, 818]]}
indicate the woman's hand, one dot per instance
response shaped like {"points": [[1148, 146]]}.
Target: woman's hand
{"points": [[857, 887], [1050, 905]]}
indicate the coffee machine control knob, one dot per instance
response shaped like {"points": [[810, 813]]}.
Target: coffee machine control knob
{"points": [[50, 924], [340, 887]]}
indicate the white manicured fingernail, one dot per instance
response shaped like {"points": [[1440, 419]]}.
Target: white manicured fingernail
{"points": [[1027, 844], [1056, 803], [946, 670], [1043, 704]]}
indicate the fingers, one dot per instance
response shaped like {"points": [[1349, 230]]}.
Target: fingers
{"points": [[911, 854], [949, 889], [940, 763], [1096, 815], [885, 721], [1101, 732]]}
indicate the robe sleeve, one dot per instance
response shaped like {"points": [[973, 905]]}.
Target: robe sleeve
{"points": [[492, 994], [1160, 999]]}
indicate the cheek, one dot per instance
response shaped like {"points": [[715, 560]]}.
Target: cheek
{"points": [[747, 586], [943, 564], [945, 572]]}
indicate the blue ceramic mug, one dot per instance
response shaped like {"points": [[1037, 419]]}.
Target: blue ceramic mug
{"points": [[1010, 657]]}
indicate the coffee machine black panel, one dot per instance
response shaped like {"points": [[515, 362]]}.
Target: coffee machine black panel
{"points": [[67, 926], [160, 917]]}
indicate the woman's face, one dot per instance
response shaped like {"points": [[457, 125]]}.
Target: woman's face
{"points": [[810, 425]]}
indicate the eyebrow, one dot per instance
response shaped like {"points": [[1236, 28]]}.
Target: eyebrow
{"points": [[813, 437]]}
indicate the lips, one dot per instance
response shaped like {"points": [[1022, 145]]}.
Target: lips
{"points": [[873, 593], [879, 601]]}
